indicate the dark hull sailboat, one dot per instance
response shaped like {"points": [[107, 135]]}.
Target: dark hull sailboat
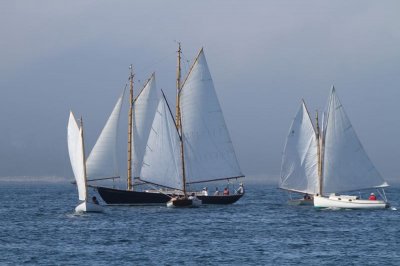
{"points": [[124, 197], [229, 199]]}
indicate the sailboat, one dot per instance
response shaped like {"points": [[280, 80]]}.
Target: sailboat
{"points": [[76, 149], [328, 161], [300, 168], [212, 152], [196, 147], [102, 163]]}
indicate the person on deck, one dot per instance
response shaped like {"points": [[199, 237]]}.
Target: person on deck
{"points": [[204, 192], [226, 191], [307, 197], [216, 193], [372, 196], [95, 201], [240, 190]]}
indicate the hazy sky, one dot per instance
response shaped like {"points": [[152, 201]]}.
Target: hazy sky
{"points": [[264, 57]]}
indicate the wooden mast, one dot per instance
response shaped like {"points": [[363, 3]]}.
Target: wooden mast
{"points": [[179, 117], [129, 177], [84, 160], [319, 142]]}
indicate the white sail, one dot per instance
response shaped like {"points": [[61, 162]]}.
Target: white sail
{"points": [[300, 158], [145, 107], [208, 149], [76, 156], [161, 162], [102, 161], [346, 165]]}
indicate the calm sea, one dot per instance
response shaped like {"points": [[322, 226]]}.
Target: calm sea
{"points": [[38, 226]]}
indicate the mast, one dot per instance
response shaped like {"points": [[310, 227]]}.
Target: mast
{"points": [[179, 117], [129, 177], [84, 160], [319, 142]]}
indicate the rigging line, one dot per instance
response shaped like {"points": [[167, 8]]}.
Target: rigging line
{"points": [[146, 68], [173, 119]]}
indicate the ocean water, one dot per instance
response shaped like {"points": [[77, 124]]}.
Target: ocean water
{"points": [[38, 227]]}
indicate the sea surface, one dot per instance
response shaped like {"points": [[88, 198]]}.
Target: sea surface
{"points": [[38, 227]]}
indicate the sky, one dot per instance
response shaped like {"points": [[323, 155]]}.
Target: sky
{"points": [[264, 57]]}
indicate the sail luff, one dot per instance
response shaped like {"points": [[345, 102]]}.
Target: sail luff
{"points": [[144, 109], [130, 135], [83, 158], [161, 162], [299, 170], [179, 119], [209, 152], [102, 160], [76, 156], [347, 166]]}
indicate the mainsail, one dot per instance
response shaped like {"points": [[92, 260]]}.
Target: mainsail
{"points": [[102, 161], [299, 170], [145, 106], [208, 149], [76, 155], [346, 164], [161, 163]]}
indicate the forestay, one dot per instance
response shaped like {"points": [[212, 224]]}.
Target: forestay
{"points": [[161, 162], [346, 164], [145, 107], [300, 158], [76, 156], [102, 161], [208, 149]]}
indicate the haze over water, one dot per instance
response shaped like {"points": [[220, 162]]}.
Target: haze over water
{"points": [[264, 57]]}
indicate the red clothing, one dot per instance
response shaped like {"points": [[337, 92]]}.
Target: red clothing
{"points": [[226, 192], [372, 197]]}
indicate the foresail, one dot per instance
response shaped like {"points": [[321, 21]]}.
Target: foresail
{"points": [[76, 155], [208, 149], [299, 170], [102, 161], [346, 164], [161, 162], [145, 106]]}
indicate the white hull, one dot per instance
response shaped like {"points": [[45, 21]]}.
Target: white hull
{"points": [[88, 207], [348, 202]]}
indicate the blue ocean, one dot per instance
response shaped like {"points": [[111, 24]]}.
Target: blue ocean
{"points": [[38, 226]]}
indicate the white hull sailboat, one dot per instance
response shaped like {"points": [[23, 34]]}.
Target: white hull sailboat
{"points": [[195, 147], [348, 202], [78, 162], [330, 161]]}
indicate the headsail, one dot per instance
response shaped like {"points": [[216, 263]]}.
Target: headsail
{"points": [[161, 162], [145, 106], [76, 156], [209, 153], [102, 161], [300, 159], [346, 164]]}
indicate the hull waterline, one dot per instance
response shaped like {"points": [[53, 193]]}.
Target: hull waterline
{"points": [[88, 207], [184, 202]]}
